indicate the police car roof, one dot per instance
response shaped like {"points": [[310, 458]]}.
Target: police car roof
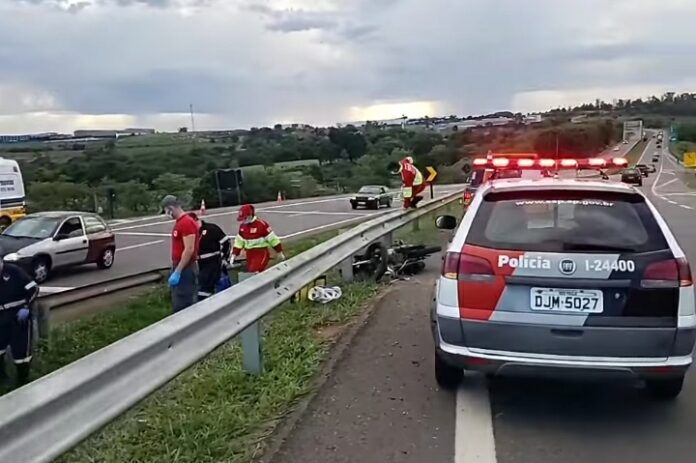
{"points": [[557, 184]]}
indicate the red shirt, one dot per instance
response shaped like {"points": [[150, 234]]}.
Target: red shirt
{"points": [[184, 226]]}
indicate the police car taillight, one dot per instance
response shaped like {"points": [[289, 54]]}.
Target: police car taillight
{"points": [[667, 274], [465, 266]]}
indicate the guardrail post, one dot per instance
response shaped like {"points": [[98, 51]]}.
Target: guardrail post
{"points": [[252, 352], [345, 269], [416, 224], [42, 319]]}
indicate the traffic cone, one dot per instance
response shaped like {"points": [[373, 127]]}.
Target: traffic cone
{"points": [[202, 211], [280, 197]]}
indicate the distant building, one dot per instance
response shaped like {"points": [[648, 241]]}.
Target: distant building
{"points": [[112, 133], [29, 137], [533, 118]]}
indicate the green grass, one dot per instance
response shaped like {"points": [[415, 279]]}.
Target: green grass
{"points": [[633, 156]]}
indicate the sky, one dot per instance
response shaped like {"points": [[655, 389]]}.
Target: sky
{"points": [[76, 64]]}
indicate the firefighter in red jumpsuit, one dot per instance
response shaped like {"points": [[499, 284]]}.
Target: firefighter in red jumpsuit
{"points": [[255, 237], [412, 181]]}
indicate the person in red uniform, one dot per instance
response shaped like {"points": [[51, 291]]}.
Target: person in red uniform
{"points": [[255, 237], [184, 277], [412, 181]]}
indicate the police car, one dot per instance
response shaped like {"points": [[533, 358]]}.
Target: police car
{"points": [[564, 276]]}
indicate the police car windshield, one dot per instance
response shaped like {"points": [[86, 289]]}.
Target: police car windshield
{"points": [[32, 227], [566, 221]]}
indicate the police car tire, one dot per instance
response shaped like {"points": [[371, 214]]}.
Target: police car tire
{"points": [[447, 376], [354, 205], [665, 389]]}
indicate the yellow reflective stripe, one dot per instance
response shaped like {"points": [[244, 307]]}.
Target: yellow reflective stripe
{"points": [[407, 191], [419, 178], [273, 239], [256, 243], [239, 242]]}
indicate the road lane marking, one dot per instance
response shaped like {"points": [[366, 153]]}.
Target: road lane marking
{"points": [[142, 234], [667, 183], [315, 213], [685, 206], [322, 227], [135, 246], [473, 428], [678, 194], [671, 202]]}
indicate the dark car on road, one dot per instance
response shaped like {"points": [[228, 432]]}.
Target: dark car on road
{"points": [[46, 241], [372, 197], [644, 169], [632, 175], [656, 158]]}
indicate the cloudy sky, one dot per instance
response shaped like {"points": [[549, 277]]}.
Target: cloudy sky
{"points": [[68, 64]]}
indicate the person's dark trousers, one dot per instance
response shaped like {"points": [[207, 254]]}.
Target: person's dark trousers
{"points": [[184, 294], [210, 272], [17, 335]]}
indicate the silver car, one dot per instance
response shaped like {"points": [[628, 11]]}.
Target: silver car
{"points": [[46, 241]]}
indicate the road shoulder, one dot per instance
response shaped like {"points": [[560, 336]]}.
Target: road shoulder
{"points": [[381, 402]]}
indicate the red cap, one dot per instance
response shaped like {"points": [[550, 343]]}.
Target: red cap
{"points": [[244, 212]]}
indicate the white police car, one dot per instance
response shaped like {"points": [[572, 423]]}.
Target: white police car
{"points": [[564, 276]]}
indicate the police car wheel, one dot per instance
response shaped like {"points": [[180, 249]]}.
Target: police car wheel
{"points": [[447, 376], [5, 222], [106, 259], [41, 268], [664, 389]]}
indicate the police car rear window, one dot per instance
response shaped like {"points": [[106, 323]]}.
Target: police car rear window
{"points": [[566, 221]]}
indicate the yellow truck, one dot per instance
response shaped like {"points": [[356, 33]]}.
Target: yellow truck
{"points": [[12, 198]]}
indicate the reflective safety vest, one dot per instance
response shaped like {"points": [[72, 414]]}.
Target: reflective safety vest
{"points": [[410, 177], [255, 238]]}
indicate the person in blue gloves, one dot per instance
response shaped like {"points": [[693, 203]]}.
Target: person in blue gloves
{"points": [[17, 292], [183, 280]]}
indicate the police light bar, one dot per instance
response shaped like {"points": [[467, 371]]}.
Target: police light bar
{"points": [[545, 163]]}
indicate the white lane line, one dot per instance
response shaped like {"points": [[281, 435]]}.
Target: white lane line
{"points": [[678, 194], [142, 234], [53, 289], [685, 206], [293, 213], [667, 183], [135, 246], [671, 202], [322, 227], [473, 428]]}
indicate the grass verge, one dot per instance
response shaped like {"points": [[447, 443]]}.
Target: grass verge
{"points": [[634, 154], [74, 340], [214, 412]]}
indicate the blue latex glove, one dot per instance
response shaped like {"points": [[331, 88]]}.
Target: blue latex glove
{"points": [[174, 278], [22, 314]]}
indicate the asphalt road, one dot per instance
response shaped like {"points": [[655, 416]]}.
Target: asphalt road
{"points": [[143, 244], [382, 403]]}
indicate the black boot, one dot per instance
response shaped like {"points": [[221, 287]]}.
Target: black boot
{"points": [[22, 373], [4, 379]]}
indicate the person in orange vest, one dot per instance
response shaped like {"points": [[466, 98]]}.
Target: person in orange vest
{"points": [[412, 181], [255, 237]]}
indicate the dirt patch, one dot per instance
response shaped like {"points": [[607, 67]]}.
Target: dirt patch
{"points": [[331, 333]]}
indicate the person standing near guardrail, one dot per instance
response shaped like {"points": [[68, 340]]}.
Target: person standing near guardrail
{"points": [[213, 251], [255, 237], [412, 181], [17, 292], [183, 280]]}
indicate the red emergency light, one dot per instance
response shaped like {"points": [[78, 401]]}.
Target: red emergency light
{"points": [[546, 163]]}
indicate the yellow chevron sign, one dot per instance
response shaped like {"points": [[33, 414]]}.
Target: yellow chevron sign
{"points": [[432, 173], [689, 159]]}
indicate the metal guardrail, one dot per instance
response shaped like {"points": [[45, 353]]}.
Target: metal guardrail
{"points": [[42, 420]]}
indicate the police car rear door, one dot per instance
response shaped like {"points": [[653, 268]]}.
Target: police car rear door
{"points": [[569, 273]]}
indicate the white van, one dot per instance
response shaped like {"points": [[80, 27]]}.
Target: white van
{"points": [[12, 202]]}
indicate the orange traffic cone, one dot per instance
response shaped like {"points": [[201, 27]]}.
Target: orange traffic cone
{"points": [[280, 197], [202, 211]]}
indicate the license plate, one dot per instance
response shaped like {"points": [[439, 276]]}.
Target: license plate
{"points": [[566, 300]]}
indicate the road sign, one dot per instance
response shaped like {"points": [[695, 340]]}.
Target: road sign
{"points": [[689, 159], [432, 174]]}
